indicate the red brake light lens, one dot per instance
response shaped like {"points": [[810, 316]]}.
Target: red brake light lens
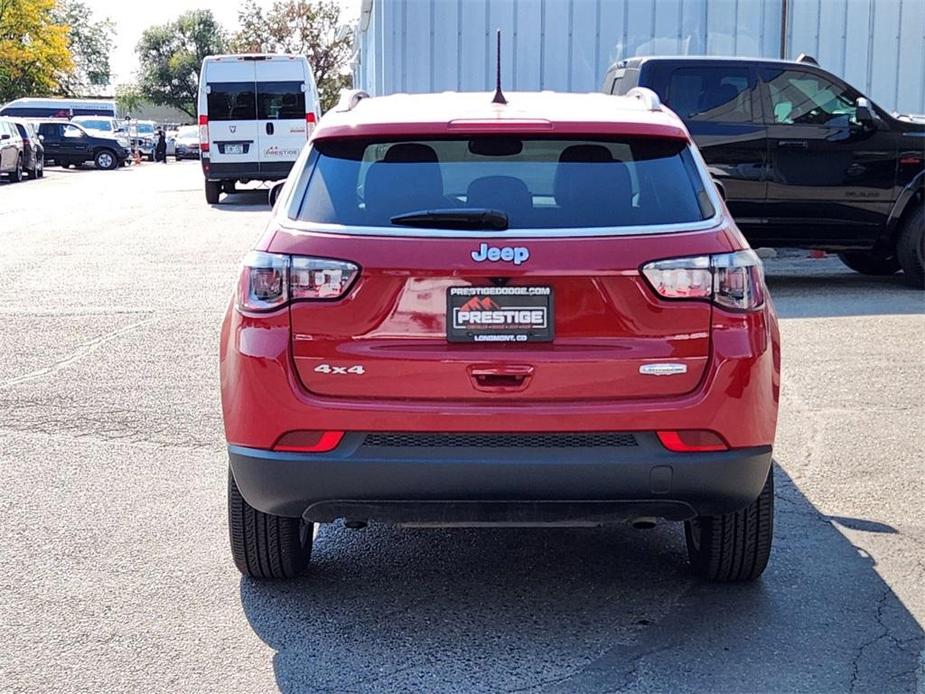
{"points": [[310, 121], [270, 280], [692, 441], [731, 280], [309, 441], [203, 133]]}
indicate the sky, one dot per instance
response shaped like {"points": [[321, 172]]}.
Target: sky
{"points": [[133, 18]]}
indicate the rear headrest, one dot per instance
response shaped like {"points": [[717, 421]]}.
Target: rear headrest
{"points": [[411, 152], [407, 179], [505, 193], [591, 185], [714, 98]]}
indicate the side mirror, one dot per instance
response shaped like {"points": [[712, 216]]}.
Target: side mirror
{"points": [[865, 112], [273, 195], [720, 188]]}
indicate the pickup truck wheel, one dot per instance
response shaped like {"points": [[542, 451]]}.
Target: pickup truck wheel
{"points": [[213, 191], [870, 263], [105, 159], [266, 546], [734, 546], [910, 248]]}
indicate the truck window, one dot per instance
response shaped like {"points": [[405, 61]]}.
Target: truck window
{"points": [[231, 101], [803, 98], [280, 101], [719, 94]]}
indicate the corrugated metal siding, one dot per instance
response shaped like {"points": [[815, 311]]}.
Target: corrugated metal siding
{"points": [[876, 45], [567, 45]]}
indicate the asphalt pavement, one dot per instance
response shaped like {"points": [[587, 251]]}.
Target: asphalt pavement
{"points": [[116, 575]]}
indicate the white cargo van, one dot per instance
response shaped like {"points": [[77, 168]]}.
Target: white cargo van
{"points": [[255, 114]]}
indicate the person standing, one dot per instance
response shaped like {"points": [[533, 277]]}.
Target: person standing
{"points": [[160, 149]]}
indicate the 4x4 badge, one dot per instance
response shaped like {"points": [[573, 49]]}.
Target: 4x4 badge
{"points": [[508, 254]]}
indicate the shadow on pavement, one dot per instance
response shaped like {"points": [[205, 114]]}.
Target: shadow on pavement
{"points": [[248, 200], [585, 610], [820, 289]]}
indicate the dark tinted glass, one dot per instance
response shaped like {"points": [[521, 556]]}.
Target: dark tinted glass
{"points": [[232, 101], [711, 94], [541, 183], [280, 101], [804, 98]]}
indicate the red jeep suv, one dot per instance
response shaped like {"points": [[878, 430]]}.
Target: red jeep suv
{"points": [[536, 312]]}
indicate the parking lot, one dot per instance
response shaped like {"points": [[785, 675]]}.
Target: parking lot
{"points": [[117, 573]]}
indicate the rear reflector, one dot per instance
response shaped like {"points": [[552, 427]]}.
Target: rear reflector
{"points": [[309, 441], [692, 441]]}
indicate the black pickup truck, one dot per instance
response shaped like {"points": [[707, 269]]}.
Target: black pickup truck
{"points": [[69, 144], [802, 158]]}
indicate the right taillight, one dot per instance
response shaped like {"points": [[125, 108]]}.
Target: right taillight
{"points": [[731, 280], [203, 133], [271, 280]]}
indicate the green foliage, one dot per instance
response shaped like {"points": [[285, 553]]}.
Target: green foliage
{"points": [[128, 99], [89, 42], [34, 54], [307, 27], [170, 56]]}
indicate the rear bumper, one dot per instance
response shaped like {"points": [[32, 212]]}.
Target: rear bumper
{"points": [[436, 485], [251, 171]]}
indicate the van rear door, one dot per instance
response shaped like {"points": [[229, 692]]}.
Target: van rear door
{"points": [[282, 94], [231, 100]]}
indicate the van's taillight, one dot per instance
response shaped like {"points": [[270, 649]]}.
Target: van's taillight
{"points": [[309, 441], [203, 133], [731, 280], [310, 121], [691, 441], [270, 280]]}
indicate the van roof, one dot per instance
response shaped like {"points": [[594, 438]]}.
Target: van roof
{"points": [[252, 56], [466, 113]]}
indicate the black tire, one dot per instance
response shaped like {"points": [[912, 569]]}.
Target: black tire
{"points": [[105, 159], [39, 168], [213, 192], [910, 248], [15, 175], [228, 187], [265, 546], [870, 263], [734, 546]]}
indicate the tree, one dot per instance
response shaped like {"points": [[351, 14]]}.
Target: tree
{"points": [[170, 56], [306, 27], [128, 98], [33, 49], [89, 42]]}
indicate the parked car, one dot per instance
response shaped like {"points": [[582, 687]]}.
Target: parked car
{"points": [[255, 114], [69, 144], [30, 107], [11, 151], [804, 158], [33, 150], [144, 134], [186, 143], [508, 312]]}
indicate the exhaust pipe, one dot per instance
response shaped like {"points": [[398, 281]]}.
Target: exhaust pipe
{"points": [[643, 523]]}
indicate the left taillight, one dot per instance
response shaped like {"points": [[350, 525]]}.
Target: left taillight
{"points": [[270, 280], [730, 280], [203, 133], [310, 122]]}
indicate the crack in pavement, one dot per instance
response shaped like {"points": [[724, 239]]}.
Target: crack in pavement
{"points": [[82, 351]]}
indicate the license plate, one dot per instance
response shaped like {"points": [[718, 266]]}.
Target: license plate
{"points": [[499, 314], [234, 149]]}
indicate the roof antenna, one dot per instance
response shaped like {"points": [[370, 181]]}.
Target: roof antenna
{"points": [[499, 97]]}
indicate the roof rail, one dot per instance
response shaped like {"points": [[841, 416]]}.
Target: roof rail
{"points": [[647, 97], [349, 98]]}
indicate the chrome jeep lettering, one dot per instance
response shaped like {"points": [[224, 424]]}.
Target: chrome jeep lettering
{"points": [[508, 254]]}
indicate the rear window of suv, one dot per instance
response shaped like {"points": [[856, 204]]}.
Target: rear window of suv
{"points": [[537, 183]]}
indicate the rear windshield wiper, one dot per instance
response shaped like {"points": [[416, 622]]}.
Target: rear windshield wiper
{"points": [[454, 218]]}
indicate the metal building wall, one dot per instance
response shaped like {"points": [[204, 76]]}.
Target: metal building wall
{"points": [[567, 45], [876, 45]]}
